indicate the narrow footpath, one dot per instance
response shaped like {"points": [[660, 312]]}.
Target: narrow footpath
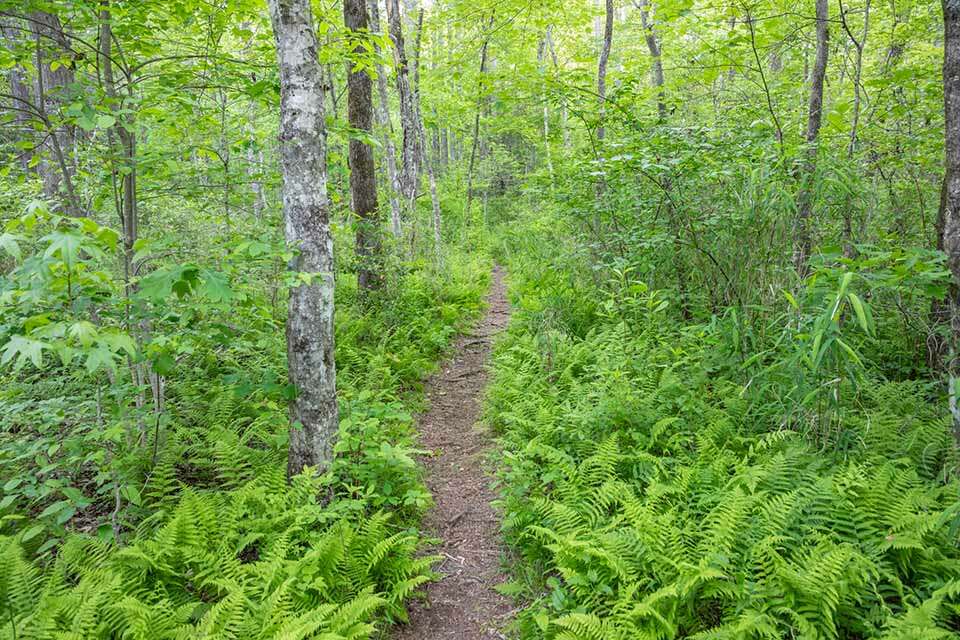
{"points": [[463, 603]]}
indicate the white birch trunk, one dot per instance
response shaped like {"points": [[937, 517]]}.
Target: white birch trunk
{"points": [[306, 210]]}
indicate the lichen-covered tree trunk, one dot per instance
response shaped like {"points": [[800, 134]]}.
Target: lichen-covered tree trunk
{"points": [[363, 178], [408, 121], [803, 234], [948, 239], [306, 210], [415, 85]]}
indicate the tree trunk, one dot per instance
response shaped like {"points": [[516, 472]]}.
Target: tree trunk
{"points": [[564, 130], [21, 100], [306, 212], [408, 122], [428, 162], [857, 74], [476, 122], [803, 239], [848, 248], [363, 178], [386, 129], [444, 148], [254, 164], [948, 223], [415, 89], [541, 54], [51, 85], [122, 129], [602, 72], [435, 203], [653, 45], [123, 165]]}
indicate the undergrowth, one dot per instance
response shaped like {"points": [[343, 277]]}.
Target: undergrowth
{"points": [[194, 532], [656, 482]]}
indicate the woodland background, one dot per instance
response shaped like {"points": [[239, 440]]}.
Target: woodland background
{"points": [[725, 399]]}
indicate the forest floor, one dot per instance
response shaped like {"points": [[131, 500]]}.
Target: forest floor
{"points": [[462, 604]]}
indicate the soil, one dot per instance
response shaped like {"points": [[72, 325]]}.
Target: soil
{"points": [[462, 604]]}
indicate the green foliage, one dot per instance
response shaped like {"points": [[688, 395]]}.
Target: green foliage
{"points": [[697, 443], [125, 514], [264, 561], [652, 490]]}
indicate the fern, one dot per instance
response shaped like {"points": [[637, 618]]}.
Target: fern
{"points": [[658, 507]]}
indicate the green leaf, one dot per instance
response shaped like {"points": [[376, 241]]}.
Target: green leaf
{"points": [[25, 349], [179, 279], [49, 544], [105, 121], [861, 310], [108, 238], [216, 286], [65, 246], [845, 283], [8, 242], [75, 495], [164, 364], [100, 357], [118, 341], [54, 508], [64, 352], [86, 122], [132, 494], [543, 622], [32, 533], [850, 351], [791, 299], [65, 514], [84, 332]]}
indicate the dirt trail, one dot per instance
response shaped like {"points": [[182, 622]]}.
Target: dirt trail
{"points": [[463, 603]]}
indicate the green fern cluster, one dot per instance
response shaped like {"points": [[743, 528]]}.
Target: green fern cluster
{"points": [[651, 496], [263, 561]]}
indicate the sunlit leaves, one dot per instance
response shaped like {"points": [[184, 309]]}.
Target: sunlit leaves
{"points": [[182, 280], [84, 332], [24, 350], [9, 243], [163, 282], [65, 246]]}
